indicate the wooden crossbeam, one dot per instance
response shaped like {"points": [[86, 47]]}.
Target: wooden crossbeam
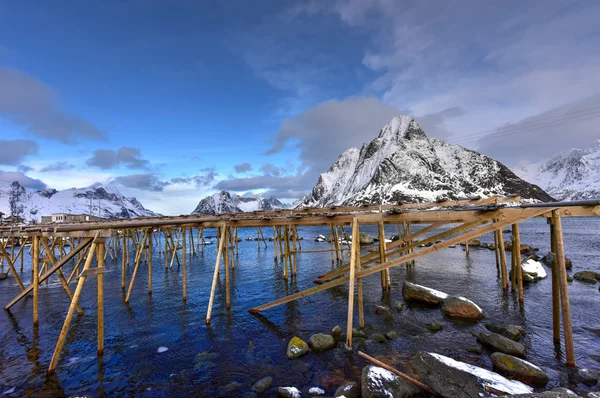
{"points": [[502, 223], [82, 245]]}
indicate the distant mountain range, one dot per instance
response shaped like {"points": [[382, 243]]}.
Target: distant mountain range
{"points": [[226, 202], [403, 165], [571, 175], [106, 201]]}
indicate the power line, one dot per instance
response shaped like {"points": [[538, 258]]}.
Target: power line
{"points": [[531, 127]]}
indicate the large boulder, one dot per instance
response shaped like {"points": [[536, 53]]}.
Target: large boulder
{"points": [[321, 342], [422, 294], [589, 377], [262, 385], [365, 238], [455, 379], [461, 308], [289, 392], [296, 348], [586, 276], [378, 382], [533, 270], [519, 369], [548, 259], [513, 332], [497, 342]]}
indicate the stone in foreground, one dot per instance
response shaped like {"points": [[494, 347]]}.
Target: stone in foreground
{"points": [[513, 332], [497, 342], [321, 342], [378, 382], [450, 378], [519, 369], [263, 384], [348, 390], [3, 275], [289, 392], [586, 276], [296, 348], [461, 308], [422, 294]]}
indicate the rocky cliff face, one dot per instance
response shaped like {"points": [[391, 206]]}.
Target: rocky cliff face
{"points": [[571, 175], [106, 201], [403, 165], [226, 202]]}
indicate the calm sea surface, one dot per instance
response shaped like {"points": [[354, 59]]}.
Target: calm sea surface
{"points": [[242, 348]]}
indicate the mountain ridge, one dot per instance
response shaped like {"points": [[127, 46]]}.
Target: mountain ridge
{"points": [[403, 165], [226, 202]]}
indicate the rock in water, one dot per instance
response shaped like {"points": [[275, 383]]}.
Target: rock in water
{"points": [[519, 369], [381, 383], [511, 331], [422, 294], [461, 308], [316, 391], [336, 331], [296, 348], [263, 384], [588, 377], [321, 342], [586, 276], [348, 390], [548, 259], [500, 343], [289, 392], [455, 379], [365, 238], [534, 269], [160, 350], [3, 275]]}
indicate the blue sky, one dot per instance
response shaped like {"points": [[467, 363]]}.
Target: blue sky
{"points": [[172, 101]]}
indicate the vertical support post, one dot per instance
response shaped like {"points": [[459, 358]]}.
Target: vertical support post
{"points": [[331, 243], [184, 253], [227, 285], [517, 243], [497, 253], [275, 243], [295, 247], [351, 283], [215, 276], [100, 264], [381, 236], [123, 260], [150, 254], [516, 255], [467, 247], [564, 291], [503, 269], [555, 287], [36, 278], [361, 309]]}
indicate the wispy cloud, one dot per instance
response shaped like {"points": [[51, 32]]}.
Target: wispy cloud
{"points": [[29, 103], [125, 156]]}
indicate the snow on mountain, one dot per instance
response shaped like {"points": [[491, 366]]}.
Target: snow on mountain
{"points": [[226, 202], [403, 165], [44, 202], [571, 175]]}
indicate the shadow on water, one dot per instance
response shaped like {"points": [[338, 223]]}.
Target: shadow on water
{"points": [[238, 348]]}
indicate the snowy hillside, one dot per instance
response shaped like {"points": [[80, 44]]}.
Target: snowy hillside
{"points": [[571, 175], [74, 201], [403, 165], [225, 202]]}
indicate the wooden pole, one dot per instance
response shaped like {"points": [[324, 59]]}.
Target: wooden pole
{"points": [[361, 308], [555, 287], [123, 260], [227, 284], [496, 252], [138, 259], [69, 317], [184, 255], [36, 278], [564, 290], [275, 242], [382, 259], [467, 247], [516, 255], [295, 239], [397, 372], [351, 284], [517, 243], [150, 255], [502, 253], [332, 244], [215, 276], [100, 265]]}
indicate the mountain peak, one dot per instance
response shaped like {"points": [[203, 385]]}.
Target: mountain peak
{"points": [[402, 127], [227, 202]]}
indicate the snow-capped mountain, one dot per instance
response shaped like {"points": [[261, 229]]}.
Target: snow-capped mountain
{"points": [[571, 175], [403, 165], [226, 202], [44, 202]]}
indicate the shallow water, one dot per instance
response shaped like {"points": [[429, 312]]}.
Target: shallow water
{"points": [[132, 364]]}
